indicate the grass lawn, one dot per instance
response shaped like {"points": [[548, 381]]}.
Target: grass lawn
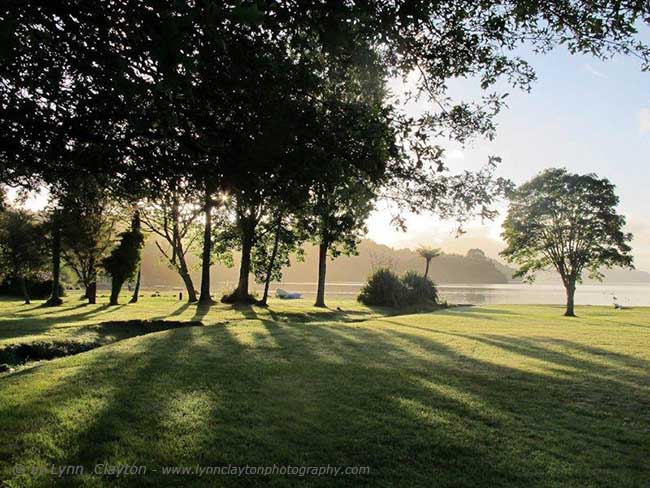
{"points": [[490, 396]]}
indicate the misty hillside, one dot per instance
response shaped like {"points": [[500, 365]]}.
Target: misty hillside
{"points": [[445, 269]]}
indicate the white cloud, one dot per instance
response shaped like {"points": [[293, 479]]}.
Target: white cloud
{"points": [[644, 120], [594, 71]]}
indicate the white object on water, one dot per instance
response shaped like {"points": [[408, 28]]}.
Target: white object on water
{"points": [[285, 295]]}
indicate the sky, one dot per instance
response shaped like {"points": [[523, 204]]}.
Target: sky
{"points": [[582, 114]]}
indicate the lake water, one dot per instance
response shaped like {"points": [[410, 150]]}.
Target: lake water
{"points": [[633, 294]]}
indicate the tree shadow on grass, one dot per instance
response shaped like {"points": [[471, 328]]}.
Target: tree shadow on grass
{"points": [[26, 326], [178, 311], [476, 312], [414, 409], [318, 314], [202, 310]]}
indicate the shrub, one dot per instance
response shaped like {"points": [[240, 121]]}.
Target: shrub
{"points": [[38, 289], [383, 288], [231, 297], [420, 290]]}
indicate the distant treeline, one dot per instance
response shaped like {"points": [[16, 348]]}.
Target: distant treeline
{"points": [[447, 268]]}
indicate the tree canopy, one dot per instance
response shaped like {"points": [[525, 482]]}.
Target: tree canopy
{"points": [[567, 222], [278, 103]]}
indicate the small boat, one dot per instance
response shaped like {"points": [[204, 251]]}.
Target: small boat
{"points": [[285, 295]]}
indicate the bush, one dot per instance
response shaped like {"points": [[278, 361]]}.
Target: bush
{"points": [[37, 289], [231, 297], [419, 290], [384, 288]]}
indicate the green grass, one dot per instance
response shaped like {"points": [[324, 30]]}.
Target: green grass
{"points": [[493, 396]]}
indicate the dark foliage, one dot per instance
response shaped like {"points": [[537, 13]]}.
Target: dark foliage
{"points": [[122, 264], [420, 290], [39, 289], [234, 297], [385, 289]]}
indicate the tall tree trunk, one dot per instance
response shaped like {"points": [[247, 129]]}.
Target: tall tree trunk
{"points": [[91, 283], [322, 270], [91, 292], [570, 287], [23, 289], [136, 292], [207, 252], [187, 279], [116, 287], [274, 255], [55, 297], [426, 270], [182, 264], [241, 293]]}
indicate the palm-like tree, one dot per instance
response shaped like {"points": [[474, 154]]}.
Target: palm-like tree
{"points": [[428, 253]]}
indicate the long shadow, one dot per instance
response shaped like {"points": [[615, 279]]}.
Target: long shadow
{"points": [[476, 312], [202, 310], [533, 347], [33, 325], [415, 410], [179, 311], [54, 310]]}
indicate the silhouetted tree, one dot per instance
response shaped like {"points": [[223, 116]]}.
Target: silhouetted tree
{"points": [[88, 219], [22, 250], [273, 249], [172, 216], [55, 223], [568, 222], [129, 77], [123, 262], [428, 253], [136, 288], [339, 226]]}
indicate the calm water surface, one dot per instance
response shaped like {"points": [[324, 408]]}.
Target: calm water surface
{"points": [[633, 294]]}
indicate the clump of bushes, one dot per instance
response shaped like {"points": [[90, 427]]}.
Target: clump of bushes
{"points": [[36, 288], [232, 297], [420, 290], [384, 288]]}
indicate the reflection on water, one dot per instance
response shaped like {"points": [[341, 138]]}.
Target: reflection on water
{"points": [[637, 294]]}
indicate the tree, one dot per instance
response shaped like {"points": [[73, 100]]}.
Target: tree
{"points": [[277, 90], [129, 77], [124, 260], [337, 223], [273, 250], [428, 253], [87, 221], [22, 250], [476, 253], [136, 288], [55, 237], [355, 147], [568, 222], [172, 216]]}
